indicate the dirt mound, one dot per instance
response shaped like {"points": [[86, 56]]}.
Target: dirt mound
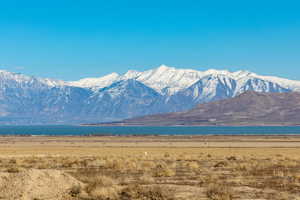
{"points": [[36, 184]]}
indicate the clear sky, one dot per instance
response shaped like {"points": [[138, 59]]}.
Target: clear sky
{"points": [[72, 39]]}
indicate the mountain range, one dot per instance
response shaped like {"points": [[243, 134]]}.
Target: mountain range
{"points": [[247, 109], [32, 100]]}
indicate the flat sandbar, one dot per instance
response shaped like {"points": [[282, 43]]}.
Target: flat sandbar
{"points": [[258, 145]]}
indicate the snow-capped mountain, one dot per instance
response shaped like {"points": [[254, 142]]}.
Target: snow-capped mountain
{"points": [[169, 80], [217, 87], [10, 79], [26, 99], [96, 83], [126, 98]]}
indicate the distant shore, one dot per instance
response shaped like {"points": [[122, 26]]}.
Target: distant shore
{"points": [[198, 125]]}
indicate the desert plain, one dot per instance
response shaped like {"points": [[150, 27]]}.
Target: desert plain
{"points": [[150, 167]]}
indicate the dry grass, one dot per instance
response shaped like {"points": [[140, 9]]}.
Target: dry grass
{"points": [[173, 173], [137, 192], [219, 192], [156, 177]]}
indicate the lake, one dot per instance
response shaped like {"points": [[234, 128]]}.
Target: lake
{"points": [[94, 130]]}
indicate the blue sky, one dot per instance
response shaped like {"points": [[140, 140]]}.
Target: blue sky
{"points": [[72, 39]]}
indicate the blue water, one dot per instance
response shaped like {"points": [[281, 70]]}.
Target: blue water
{"points": [[87, 130]]}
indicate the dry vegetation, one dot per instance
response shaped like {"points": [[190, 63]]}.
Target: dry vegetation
{"points": [[168, 176], [214, 174]]}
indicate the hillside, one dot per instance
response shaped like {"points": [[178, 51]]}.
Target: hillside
{"points": [[249, 108]]}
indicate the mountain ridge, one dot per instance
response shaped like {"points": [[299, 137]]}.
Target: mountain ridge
{"points": [[32, 100], [153, 78]]}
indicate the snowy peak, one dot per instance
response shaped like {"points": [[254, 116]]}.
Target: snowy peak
{"points": [[163, 79], [289, 84], [124, 86], [164, 68], [216, 72], [243, 73], [52, 82], [169, 80], [19, 80], [131, 74], [96, 83], [5, 75]]}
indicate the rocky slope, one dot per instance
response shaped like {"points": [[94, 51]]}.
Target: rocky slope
{"points": [[249, 108]]}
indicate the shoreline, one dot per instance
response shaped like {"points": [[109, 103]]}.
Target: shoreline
{"points": [[204, 125], [87, 131], [149, 135]]}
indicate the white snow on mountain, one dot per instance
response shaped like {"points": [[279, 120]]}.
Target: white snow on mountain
{"points": [[169, 80], [15, 79], [289, 84], [96, 83], [173, 80]]}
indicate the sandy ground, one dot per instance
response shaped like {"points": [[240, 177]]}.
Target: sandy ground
{"points": [[90, 146]]}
